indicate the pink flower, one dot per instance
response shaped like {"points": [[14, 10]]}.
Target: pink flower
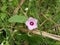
{"points": [[31, 23]]}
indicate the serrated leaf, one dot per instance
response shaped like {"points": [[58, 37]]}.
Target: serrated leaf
{"points": [[18, 19]]}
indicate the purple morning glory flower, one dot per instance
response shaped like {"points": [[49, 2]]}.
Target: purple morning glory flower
{"points": [[31, 23]]}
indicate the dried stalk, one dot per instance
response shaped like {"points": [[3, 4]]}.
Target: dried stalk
{"points": [[49, 19], [43, 22], [43, 33], [18, 7]]}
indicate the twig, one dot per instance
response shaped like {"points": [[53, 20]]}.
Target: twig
{"points": [[49, 19], [43, 23], [44, 34], [19, 6], [24, 12]]}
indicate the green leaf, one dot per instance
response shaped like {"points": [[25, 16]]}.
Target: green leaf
{"points": [[14, 2], [5, 42], [4, 7], [48, 15], [18, 19], [3, 16]]}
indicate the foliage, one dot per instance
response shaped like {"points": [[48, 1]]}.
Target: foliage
{"points": [[11, 24]]}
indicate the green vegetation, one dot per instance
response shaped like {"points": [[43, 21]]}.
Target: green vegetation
{"points": [[13, 15]]}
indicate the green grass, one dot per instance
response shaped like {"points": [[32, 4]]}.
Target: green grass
{"points": [[36, 9]]}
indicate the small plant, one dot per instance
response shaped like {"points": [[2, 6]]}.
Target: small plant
{"points": [[29, 22]]}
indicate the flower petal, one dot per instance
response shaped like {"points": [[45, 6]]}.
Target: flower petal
{"points": [[31, 27]]}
